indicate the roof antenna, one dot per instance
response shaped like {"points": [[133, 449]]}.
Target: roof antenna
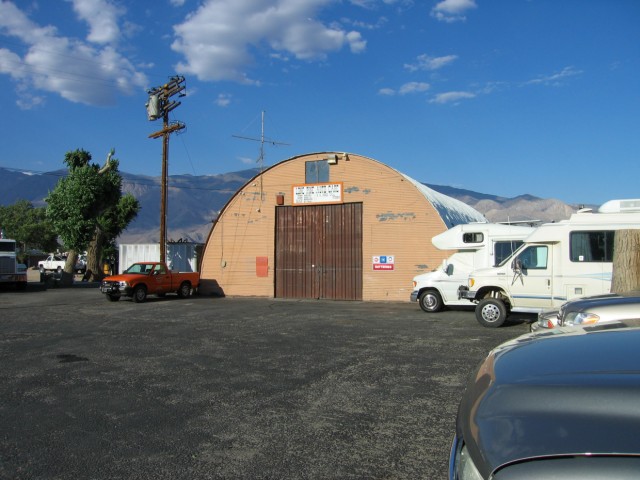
{"points": [[262, 140]]}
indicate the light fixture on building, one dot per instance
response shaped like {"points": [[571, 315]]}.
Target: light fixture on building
{"points": [[332, 159]]}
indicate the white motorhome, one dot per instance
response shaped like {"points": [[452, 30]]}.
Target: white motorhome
{"points": [[479, 245], [558, 261]]}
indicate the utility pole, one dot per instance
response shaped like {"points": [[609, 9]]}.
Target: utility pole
{"points": [[158, 106]]}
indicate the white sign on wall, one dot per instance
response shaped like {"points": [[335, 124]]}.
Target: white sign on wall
{"points": [[317, 193], [383, 262]]}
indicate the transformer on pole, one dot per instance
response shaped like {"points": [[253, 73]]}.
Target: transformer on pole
{"points": [[158, 106]]}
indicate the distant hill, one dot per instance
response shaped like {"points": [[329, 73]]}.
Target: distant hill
{"points": [[194, 201]]}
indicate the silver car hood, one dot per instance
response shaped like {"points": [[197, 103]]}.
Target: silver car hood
{"points": [[583, 304], [570, 394]]}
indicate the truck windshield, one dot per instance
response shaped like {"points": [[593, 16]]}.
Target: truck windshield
{"points": [[139, 268], [8, 247]]}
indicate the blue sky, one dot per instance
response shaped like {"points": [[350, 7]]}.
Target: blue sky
{"points": [[505, 97]]}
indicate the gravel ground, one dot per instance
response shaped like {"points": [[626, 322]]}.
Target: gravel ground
{"points": [[230, 388]]}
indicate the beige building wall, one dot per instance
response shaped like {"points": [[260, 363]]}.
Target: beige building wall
{"points": [[397, 220]]}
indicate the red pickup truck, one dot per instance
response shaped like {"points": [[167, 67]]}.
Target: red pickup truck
{"points": [[149, 278]]}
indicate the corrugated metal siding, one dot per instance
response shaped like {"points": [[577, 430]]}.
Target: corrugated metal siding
{"points": [[319, 252]]}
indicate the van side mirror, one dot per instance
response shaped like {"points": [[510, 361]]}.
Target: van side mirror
{"points": [[449, 269], [516, 265]]}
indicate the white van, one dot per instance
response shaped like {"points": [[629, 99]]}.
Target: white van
{"points": [[558, 261], [479, 245]]}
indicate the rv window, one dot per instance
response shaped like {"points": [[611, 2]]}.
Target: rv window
{"points": [[591, 246], [477, 237], [534, 257], [503, 250]]}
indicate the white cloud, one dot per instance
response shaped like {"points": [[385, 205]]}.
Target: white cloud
{"points": [[406, 89], [102, 17], [451, 97], [425, 62], [223, 100], [356, 43], [413, 87], [78, 71], [555, 79], [177, 3], [452, 10], [217, 38]]}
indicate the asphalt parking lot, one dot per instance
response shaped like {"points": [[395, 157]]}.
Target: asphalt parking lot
{"points": [[230, 388]]}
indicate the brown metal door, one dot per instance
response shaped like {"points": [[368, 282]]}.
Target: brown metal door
{"points": [[319, 252]]}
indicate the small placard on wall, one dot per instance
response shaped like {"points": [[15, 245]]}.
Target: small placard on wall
{"points": [[262, 266], [383, 262]]}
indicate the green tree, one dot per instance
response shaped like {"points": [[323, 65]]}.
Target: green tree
{"points": [[109, 226], [88, 209], [29, 226]]}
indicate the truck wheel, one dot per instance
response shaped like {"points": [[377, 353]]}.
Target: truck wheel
{"points": [[185, 290], [430, 301], [491, 312], [113, 298], [139, 294], [42, 269], [59, 270]]}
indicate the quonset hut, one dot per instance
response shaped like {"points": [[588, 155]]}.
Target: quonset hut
{"points": [[328, 225]]}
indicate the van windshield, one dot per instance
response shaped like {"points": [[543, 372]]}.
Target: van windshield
{"points": [[504, 249], [510, 257]]}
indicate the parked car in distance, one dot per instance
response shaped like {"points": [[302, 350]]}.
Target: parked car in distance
{"points": [[558, 404], [81, 264], [591, 310]]}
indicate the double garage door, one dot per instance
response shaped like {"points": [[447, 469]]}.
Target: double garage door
{"points": [[319, 252]]}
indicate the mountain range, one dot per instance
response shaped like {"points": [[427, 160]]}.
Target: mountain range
{"points": [[194, 202]]}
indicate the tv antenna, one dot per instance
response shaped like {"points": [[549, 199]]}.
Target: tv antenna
{"points": [[262, 141]]}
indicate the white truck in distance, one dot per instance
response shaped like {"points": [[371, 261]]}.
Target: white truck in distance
{"points": [[479, 245], [558, 261], [52, 262], [11, 272]]}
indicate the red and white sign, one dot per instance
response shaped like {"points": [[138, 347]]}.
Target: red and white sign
{"points": [[383, 262]]}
